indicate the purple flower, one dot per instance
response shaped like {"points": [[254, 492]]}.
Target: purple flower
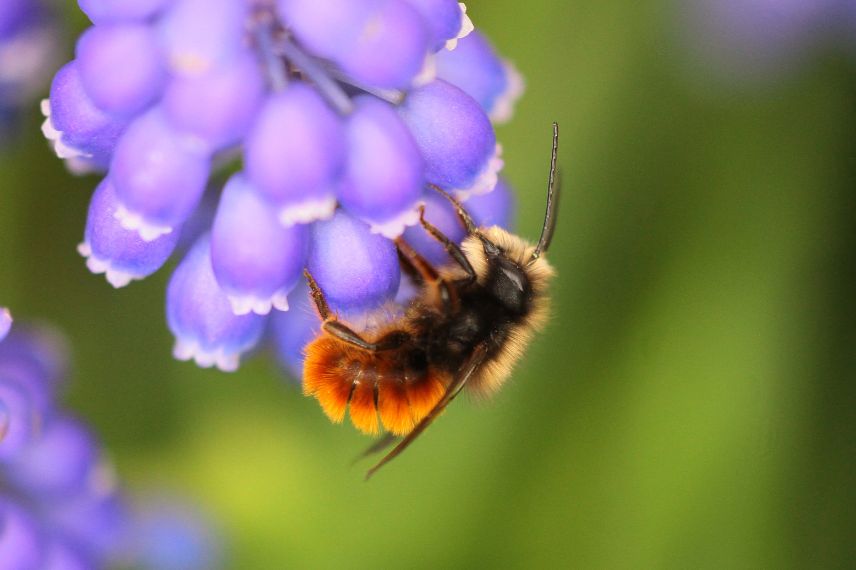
{"points": [[754, 40], [327, 118], [61, 507], [28, 48]]}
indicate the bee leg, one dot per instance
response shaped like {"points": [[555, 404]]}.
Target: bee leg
{"points": [[344, 332], [463, 215], [451, 247], [428, 274], [473, 364], [385, 441]]}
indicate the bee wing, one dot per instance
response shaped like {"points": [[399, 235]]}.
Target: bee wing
{"points": [[452, 391]]}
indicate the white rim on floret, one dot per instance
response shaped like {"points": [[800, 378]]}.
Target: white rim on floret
{"points": [[307, 212], [246, 304], [503, 107], [394, 227], [466, 27], [192, 350], [77, 161], [116, 277], [136, 223], [486, 181]]}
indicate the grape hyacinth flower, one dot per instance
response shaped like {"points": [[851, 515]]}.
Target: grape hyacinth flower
{"points": [[28, 48], [59, 494], [61, 506], [332, 118]]}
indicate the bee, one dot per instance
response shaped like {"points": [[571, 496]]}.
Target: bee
{"points": [[466, 328]]}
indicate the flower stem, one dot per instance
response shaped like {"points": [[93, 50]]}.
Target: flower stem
{"points": [[328, 87]]}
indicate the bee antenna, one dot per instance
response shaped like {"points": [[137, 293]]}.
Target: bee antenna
{"points": [[463, 215], [553, 189]]}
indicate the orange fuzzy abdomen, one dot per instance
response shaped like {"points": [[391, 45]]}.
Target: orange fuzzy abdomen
{"points": [[376, 387]]}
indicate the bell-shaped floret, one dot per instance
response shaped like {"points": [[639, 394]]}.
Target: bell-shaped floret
{"points": [[447, 21], [256, 260], [455, 138], [495, 208], [77, 128], [198, 36], [21, 540], [121, 67], [170, 534], [383, 43], [293, 330], [294, 154], [475, 67], [120, 254], [58, 462], [218, 106], [159, 175], [102, 11], [383, 180], [440, 212], [21, 417], [95, 520], [200, 315], [356, 269], [61, 554]]}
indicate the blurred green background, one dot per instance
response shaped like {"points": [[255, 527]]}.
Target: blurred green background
{"points": [[690, 406]]}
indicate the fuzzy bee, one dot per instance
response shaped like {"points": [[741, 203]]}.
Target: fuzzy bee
{"points": [[467, 327]]}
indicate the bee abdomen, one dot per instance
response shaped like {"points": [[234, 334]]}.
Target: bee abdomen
{"points": [[377, 390]]}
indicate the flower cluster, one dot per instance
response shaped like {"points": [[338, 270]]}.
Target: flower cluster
{"points": [[755, 40], [60, 505], [27, 49], [331, 117]]}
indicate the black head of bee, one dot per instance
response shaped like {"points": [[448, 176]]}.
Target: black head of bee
{"points": [[507, 281]]}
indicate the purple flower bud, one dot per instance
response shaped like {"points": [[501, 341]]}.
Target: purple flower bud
{"points": [[256, 260], [383, 180], [122, 255], [58, 462], [200, 315], [217, 106], [96, 521], [5, 322], [455, 138], [36, 356], [495, 208], [22, 417], [12, 14], [294, 329], [753, 40], [475, 67], [379, 42], [61, 555], [172, 535], [159, 176], [102, 11], [198, 36], [120, 67], [294, 154], [21, 542], [356, 269], [320, 25], [440, 212], [447, 21], [78, 130]]}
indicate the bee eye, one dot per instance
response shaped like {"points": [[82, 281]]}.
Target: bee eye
{"points": [[514, 277]]}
